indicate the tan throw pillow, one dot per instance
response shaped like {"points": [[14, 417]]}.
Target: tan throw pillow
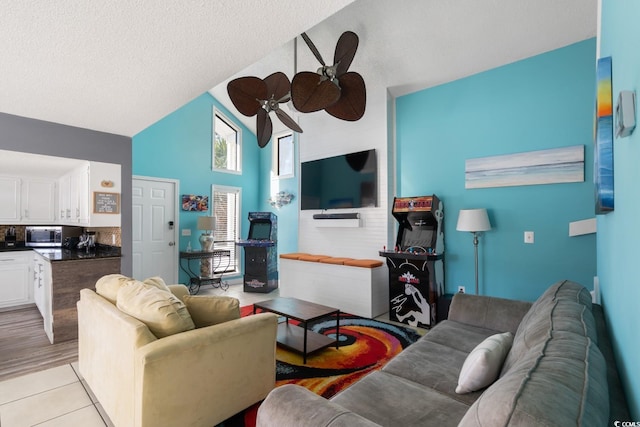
{"points": [[158, 282], [483, 364], [108, 286], [211, 310], [162, 312]]}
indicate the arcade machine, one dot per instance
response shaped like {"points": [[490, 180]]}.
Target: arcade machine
{"points": [[261, 253], [416, 271]]}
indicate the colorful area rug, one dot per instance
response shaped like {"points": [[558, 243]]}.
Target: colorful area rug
{"points": [[364, 345]]}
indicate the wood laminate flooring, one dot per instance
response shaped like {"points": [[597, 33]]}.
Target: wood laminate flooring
{"points": [[25, 348]]}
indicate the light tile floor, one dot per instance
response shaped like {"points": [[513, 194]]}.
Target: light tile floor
{"points": [[55, 397], [59, 397]]}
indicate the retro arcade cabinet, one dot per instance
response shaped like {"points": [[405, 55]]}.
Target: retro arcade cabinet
{"points": [[260, 253], [416, 270]]}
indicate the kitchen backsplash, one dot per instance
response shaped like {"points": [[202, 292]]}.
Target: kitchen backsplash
{"points": [[20, 233], [104, 235], [107, 235]]}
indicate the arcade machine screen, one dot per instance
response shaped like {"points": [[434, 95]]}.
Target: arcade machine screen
{"points": [[418, 233], [260, 230]]}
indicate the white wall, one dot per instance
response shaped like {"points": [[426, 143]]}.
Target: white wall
{"points": [[326, 136]]}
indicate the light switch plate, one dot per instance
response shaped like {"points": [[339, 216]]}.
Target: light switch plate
{"points": [[528, 236], [186, 232]]}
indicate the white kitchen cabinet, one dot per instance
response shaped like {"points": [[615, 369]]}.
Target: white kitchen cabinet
{"points": [[73, 196], [16, 286], [9, 200], [64, 184], [38, 201], [42, 286], [82, 175], [26, 200]]}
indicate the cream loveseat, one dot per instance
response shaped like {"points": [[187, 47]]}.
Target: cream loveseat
{"points": [[198, 377], [559, 371]]}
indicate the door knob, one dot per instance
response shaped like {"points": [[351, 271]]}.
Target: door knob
{"points": [[172, 243]]}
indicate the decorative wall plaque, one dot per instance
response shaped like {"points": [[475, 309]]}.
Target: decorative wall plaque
{"points": [[106, 203]]}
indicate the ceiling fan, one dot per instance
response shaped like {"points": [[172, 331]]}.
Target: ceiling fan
{"points": [[340, 93], [253, 96], [332, 88]]}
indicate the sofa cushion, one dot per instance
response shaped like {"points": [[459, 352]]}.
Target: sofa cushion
{"points": [[544, 319], [432, 365], [389, 400], [158, 282], [561, 381], [496, 314], [567, 290], [457, 335], [483, 364], [162, 312], [107, 286], [211, 310]]}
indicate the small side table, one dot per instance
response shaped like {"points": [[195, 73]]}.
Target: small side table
{"points": [[217, 257]]}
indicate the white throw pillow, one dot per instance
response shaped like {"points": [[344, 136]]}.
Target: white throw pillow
{"points": [[482, 366]]}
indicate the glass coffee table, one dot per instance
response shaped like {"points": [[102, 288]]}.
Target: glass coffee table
{"points": [[299, 338]]}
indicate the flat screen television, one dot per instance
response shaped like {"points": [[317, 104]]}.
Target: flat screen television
{"points": [[346, 181]]}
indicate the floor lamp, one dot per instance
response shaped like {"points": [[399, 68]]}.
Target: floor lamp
{"points": [[474, 221]]}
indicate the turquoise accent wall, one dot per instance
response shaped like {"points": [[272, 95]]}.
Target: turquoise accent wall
{"points": [[179, 147], [542, 102], [619, 231]]}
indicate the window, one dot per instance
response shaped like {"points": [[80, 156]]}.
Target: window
{"points": [[226, 144], [226, 208], [283, 155]]}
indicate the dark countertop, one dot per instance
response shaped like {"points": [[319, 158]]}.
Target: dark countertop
{"points": [[58, 254]]}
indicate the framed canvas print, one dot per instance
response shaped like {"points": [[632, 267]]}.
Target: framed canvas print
{"points": [[191, 202], [603, 148]]}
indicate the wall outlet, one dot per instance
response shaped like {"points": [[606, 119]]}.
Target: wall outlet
{"points": [[461, 289]]}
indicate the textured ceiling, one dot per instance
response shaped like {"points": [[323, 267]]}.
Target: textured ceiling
{"points": [[121, 66], [409, 45]]}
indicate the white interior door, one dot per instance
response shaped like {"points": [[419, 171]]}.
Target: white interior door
{"points": [[155, 221]]}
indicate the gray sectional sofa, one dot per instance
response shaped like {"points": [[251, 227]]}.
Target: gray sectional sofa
{"points": [[559, 371]]}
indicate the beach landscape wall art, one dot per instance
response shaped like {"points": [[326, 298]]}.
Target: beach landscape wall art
{"points": [[556, 165], [603, 144]]}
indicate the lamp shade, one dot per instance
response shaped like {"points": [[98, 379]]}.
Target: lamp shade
{"points": [[206, 223], [473, 220]]}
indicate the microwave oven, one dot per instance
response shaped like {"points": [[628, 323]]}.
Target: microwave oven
{"points": [[48, 236]]}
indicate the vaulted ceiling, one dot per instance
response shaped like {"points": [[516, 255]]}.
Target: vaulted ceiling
{"points": [[120, 67]]}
